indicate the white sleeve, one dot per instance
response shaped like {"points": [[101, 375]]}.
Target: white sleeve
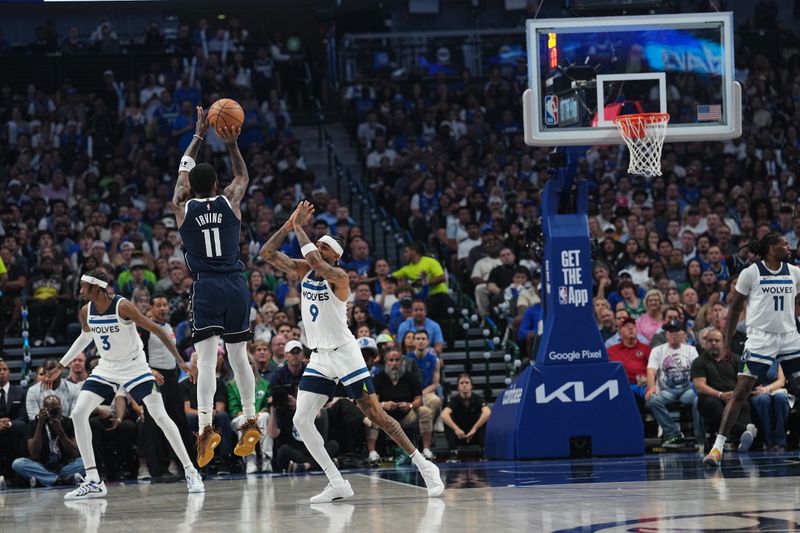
{"points": [[80, 344], [654, 361], [746, 279], [415, 202], [796, 275], [693, 353]]}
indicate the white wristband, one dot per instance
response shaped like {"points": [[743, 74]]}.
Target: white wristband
{"points": [[308, 248], [187, 164]]}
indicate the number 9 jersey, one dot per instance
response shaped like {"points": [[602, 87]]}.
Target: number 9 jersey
{"points": [[770, 296], [324, 314]]}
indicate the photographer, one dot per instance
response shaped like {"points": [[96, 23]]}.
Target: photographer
{"points": [[292, 455], [51, 445]]}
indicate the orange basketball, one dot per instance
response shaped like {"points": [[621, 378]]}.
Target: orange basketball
{"points": [[225, 112]]}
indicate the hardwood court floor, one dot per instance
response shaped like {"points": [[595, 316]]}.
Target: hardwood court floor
{"points": [[674, 492]]}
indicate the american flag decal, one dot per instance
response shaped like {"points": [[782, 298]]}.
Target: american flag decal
{"points": [[709, 112]]}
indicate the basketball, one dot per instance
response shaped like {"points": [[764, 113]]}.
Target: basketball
{"points": [[225, 112]]}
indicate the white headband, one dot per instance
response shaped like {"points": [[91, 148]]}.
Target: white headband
{"points": [[330, 241], [94, 281]]}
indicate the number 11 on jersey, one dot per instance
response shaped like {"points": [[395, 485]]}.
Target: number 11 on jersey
{"points": [[213, 249], [778, 300]]}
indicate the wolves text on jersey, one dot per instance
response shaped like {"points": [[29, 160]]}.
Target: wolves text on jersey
{"points": [[316, 296], [105, 330]]}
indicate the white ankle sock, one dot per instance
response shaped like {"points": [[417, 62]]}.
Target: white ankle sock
{"points": [[719, 444], [418, 460]]}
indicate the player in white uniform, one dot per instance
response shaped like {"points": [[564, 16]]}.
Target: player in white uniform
{"points": [[770, 287], [110, 322], [336, 356]]}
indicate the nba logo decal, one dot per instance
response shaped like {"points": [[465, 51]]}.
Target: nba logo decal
{"points": [[562, 296], [551, 110]]}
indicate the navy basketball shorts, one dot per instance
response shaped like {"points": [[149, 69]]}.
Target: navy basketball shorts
{"points": [[109, 377], [220, 305], [762, 348]]}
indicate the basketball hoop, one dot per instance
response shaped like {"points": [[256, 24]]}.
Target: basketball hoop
{"points": [[644, 135]]}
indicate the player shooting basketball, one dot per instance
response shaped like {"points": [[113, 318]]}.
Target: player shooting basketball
{"points": [[336, 355]]}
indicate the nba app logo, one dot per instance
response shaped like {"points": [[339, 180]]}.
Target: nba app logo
{"points": [[551, 110], [562, 295]]}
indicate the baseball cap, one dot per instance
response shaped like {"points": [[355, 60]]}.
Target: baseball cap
{"points": [[628, 320], [486, 228], [137, 263], [292, 345], [383, 338], [169, 222], [673, 325], [14, 183], [368, 343], [99, 244], [406, 301], [127, 245]]}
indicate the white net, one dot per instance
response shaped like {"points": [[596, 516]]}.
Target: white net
{"points": [[644, 135]]}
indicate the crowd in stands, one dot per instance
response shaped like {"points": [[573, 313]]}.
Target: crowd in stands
{"points": [[447, 156], [88, 179], [87, 182]]}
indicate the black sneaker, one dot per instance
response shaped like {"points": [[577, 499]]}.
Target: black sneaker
{"points": [[675, 441]]}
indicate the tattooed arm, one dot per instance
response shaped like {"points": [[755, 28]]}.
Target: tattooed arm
{"points": [[238, 187], [278, 259], [182, 188], [337, 277]]}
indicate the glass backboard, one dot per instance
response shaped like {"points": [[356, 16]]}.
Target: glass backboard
{"points": [[584, 72]]}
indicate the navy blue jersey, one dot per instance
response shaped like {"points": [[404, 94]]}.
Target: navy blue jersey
{"points": [[210, 235]]}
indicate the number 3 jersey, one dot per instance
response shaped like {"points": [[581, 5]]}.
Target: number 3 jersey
{"points": [[116, 339], [324, 314], [770, 296], [210, 235]]}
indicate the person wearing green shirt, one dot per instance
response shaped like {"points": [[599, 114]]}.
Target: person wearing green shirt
{"points": [[237, 419], [424, 272]]}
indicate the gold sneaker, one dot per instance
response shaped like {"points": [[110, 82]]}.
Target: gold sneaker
{"points": [[713, 458], [206, 442], [250, 437]]}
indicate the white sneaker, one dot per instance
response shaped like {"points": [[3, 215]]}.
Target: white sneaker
{"points": [[144, 473], [428, 454], [2, 483], [250, 466], [433, 480], [194, 482], [86, 490], [173, 468], [32, 482], [333, 493], [49, 341], [374, 459], [266, 464], [747, 438], [438, 426]]}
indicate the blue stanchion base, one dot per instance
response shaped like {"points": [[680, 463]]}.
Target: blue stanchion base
{"points": [[551, 407]]}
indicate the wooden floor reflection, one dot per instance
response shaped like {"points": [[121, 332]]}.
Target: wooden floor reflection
{"points": [[652, 493]]}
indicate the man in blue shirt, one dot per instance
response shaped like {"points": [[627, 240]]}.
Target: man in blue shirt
{"points": [[429, 365], [359, 257], [419, 320]]}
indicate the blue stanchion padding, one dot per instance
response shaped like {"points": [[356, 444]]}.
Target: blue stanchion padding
{"points": [[546, 407], [572, 390]]}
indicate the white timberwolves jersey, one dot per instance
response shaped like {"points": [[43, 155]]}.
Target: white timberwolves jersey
{"points": [[116, 339], [324, 315], [770, 304]]}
